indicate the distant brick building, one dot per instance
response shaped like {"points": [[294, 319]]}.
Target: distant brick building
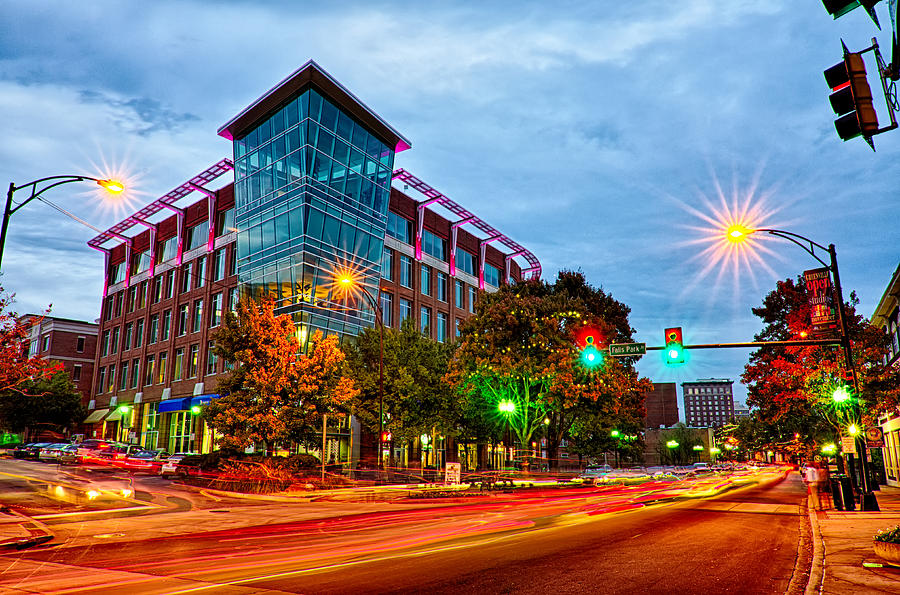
{"points": [[73, 343], [662, 405], [708, 402]]}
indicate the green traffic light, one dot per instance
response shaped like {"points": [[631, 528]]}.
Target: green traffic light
{"points": [[591, 356], [614, 433]]}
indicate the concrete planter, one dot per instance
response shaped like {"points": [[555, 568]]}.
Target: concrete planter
{"points": [[887, 551]]}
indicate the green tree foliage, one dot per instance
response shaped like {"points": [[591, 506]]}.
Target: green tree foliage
{"points": [[416, 400], [272, 395], [520, 347], [53, 402]]}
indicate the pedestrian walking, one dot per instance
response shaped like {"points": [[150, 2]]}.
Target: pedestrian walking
{"points": [[823, 484], [812, 485]]}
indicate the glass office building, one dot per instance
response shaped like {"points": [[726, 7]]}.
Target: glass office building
{"points": [[312, 184]]}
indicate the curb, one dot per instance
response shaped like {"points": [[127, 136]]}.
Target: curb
{"points": [[38, 532], [817, 568]]}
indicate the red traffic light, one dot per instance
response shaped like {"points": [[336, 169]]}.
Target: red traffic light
{"points": [[674, 345], [852, 98]]}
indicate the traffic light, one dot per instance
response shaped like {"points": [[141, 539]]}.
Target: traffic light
{"points": [[838, 8], [589, 339], [674, 346], [851, 98]]}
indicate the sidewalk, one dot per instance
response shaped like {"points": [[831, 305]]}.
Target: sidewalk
{"points": [[843, 543], [18, 531]]}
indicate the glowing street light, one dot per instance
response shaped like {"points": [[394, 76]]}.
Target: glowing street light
{"points": [[829, 449], [853, 430], [40, 186], [840, 395]]}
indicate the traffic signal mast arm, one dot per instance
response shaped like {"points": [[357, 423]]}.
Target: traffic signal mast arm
{"points": [[798, 343]]}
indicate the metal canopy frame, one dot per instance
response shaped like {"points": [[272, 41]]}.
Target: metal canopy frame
{"points": [[466, 217]]}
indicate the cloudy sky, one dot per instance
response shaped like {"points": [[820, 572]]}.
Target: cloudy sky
{"points": [[604, 136]]}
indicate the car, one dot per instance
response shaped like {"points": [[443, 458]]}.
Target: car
{"points": [[30, 451], [147, 461], [117, 453], [50, 453], [594, 473], [90, 450], [68, 455], [170, 466]]}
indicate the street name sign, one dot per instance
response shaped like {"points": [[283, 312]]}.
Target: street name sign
{"points": [[626, 349]]}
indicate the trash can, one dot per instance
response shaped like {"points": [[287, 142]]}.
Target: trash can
{"points": [[842, 492]]}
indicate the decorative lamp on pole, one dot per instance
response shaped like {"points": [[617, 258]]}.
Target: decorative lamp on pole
{"points": [[40, 186], [739, 233], [672, 445], [349, 282]]}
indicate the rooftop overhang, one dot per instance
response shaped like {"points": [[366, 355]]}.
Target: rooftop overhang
{"points": [[313, 75], [889, 300]]}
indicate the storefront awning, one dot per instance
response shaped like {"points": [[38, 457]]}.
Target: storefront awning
{"points": [[174, 405], [203, 399], [114, 415], [95, 416]]}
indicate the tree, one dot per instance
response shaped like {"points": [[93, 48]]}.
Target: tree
{"points": [[791, 387], [52, 401], [272, 395], [416, 400], [16, 366], [520, 348]]}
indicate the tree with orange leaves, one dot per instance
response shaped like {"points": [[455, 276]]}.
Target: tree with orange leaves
{"points": [[17, 366], [273, 395]]}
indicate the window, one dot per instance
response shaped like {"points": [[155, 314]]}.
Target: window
{"points": [[148, 370], [154, 329], [142, 294], [79, 345], [167, 249], [405, 271], [157, 289], [405, 309], [116, 273], [458, 323], [114, 342], [170, 284], [108, 308], [387, 308], [166, 325], [139, 333], [129, 299], [126, 338], [104, 344], [491, 275], [101, 380], [201, 271], [76, 372], [399, 228], [178, 373], [472, 296], [198, 316], [465, 261], [425, 320], [182, 319], [151, 425], [442, 287], [425, 280], [225, 222], [186, 274], [219, 265], [123, 377], [161, 367], [434, 245], [212, 360], [458, 289], [215, 310], [387, 265], [119, 299], [193, 361], [112, 379], [45, 343], [198, 235], [441, 327], [135, 373]]}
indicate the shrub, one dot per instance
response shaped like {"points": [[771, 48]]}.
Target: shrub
{"points": [[891, 535]]}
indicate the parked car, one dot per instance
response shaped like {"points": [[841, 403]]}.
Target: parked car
{"points": [[68, 455], [146, 461], [169, 466], [90, 451], [50, 453], [117, 453], [30, 451]]}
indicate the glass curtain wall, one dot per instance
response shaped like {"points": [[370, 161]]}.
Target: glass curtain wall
{"points": [[311, 191]]}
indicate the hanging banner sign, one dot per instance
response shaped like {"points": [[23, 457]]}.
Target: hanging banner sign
{"points": [[820, 293]]}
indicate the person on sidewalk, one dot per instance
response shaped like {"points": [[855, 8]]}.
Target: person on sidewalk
{"points": [[823, 485], [811, 479]]}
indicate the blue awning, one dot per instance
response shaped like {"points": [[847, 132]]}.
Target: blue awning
{"points": [[174, 405], [203, 399]]}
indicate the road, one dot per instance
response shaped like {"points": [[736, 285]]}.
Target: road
{"points": [[598, 540]]}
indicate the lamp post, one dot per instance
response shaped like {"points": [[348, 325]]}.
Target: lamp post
{"points": [[672, 445], [349, 282], [40, 186], [507, 407], [738, 233]]}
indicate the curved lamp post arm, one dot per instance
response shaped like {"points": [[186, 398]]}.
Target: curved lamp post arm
{"points": [[804, 242], [379, 321]]}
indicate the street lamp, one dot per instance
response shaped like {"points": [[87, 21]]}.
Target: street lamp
{"points": [[738, 233], [672, 445], [112, 186], [348, 282]]}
